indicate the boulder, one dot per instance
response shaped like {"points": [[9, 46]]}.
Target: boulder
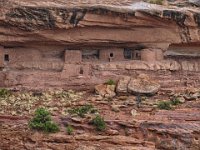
{"points": [[191, 97], [112, 132], [181, 99], [133, 112], [104, 90], [122, 85], [194, 2], [115, 108], [143, 85]]}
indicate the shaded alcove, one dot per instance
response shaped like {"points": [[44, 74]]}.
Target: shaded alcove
{"points": [[183, 51]]}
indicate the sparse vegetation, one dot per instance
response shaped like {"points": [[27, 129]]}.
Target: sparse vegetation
{"points": [[4, 93], [42, 121], [110, 82], [25, 102], [61, 94], [175, 101], [99, 123], [158, 2], [82, 110], [166, 105], [69, 130]]}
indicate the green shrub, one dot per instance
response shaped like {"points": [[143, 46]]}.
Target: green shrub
{"points": [[175, 101], [110, 82], [158, 2], [4, 93], [99, 123], [83, 110], [69, 130], [51, 127], [42, 121], [164, 105]]}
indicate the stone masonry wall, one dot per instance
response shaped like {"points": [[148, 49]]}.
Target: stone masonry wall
{"points": [[52, 67], [112, 54], [73, 56], [1, 56], [43, 58]]}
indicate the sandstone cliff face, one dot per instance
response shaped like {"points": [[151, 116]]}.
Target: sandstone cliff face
{"points": [[78, 44], [103, 24], [148, 128]]}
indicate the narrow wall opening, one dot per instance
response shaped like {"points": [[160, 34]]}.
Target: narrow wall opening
{"points": [[90, 55], [6, 58], [132, 54], [81, 71]]}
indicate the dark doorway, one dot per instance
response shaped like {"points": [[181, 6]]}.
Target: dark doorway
{"points": [[81, 70], [127, 53], [90, 55], [132, 54], [6, 57]]}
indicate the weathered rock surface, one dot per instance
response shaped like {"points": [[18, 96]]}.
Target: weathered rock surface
{"points": [[105, 90], [36, 35], [139, 128], [30, 27], [21, 138], [182, 124], [122, 85], [143, 85], [54, 22], [195, 2], [139, 85], [179, 129]]}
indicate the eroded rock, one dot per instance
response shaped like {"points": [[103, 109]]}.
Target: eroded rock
{"points": [[194, 2], [105, 90], [143, 85], [115, 108], [122, 85], [133, 112]]}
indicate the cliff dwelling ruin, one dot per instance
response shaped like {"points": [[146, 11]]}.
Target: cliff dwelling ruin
{"points": [[99, 75]]}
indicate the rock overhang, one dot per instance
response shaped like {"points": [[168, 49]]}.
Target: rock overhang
{"points": [[47, 19]]}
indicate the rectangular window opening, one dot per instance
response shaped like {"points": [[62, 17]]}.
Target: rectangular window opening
{"points": [[90, 55], [132, 54], [6, 57], [127, 53]]}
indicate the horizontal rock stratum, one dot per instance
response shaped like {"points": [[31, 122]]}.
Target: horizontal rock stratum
{"points": [[59, 43], [97, 23]]}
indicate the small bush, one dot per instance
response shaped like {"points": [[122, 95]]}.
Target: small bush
{"points": [[4, 93], [110, 82], [158, 2], [83, 110], [69, 130], [99, 123], [164, 105], [51, 127], [175, 101], [42, 121]]}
